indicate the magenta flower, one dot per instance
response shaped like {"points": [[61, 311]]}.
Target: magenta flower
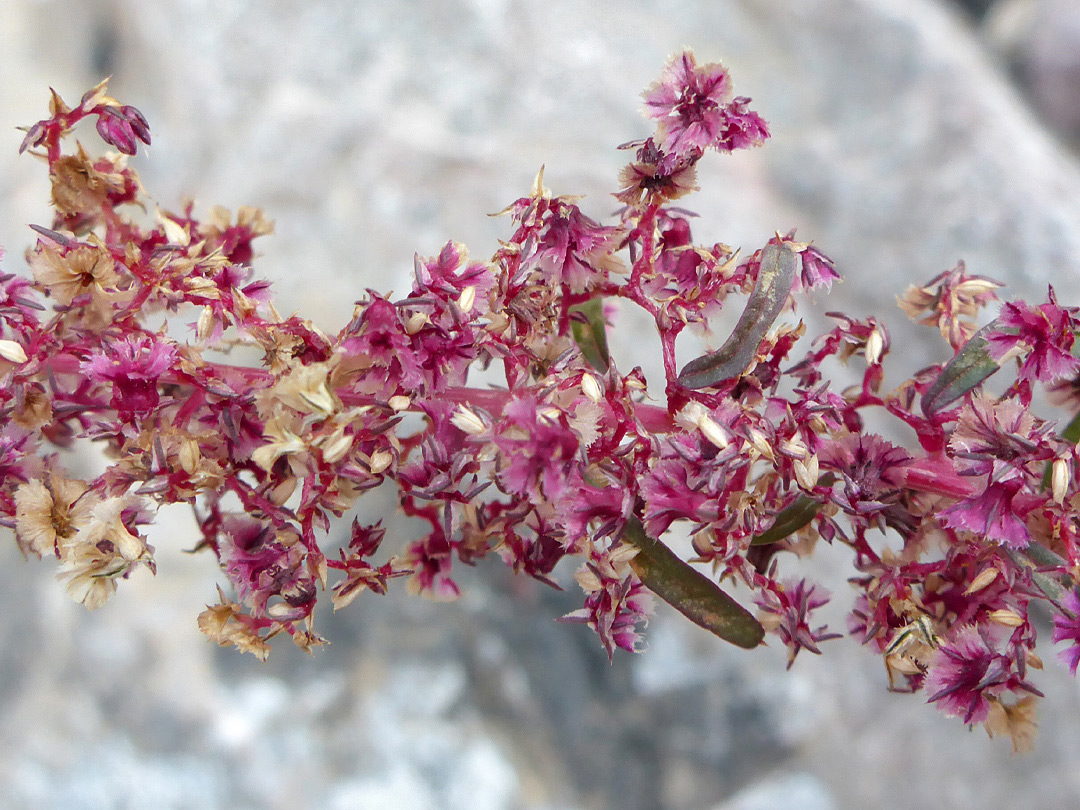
{"points": [[863, 463], [431, 560], [964, 672], [575, 250], [121, 126], [133, 365], [694, 107], [1067, 628], [997, 513], [818, 270], [1046, 332], [741, 127], [451, 273], [542, 463], [669, 495], [261, 567], [786, 611]]}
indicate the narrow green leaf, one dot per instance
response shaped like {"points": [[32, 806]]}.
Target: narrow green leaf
{"points": [[689, 591], [779, 265], [590, 332], [789, 521], [1038, 555], [971, 365]]}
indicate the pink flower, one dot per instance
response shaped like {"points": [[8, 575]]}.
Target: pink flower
{"points": [[121, 126], [963, 672], [261, 567], [1067, 628], [450, 273], [431, 560], [996, 513], [694, 107], [133, 365], [542, 463], [786, 611], [669, 496], [1046, 332], [741, 127], [818, 270], [863, 463], [575, 250]]}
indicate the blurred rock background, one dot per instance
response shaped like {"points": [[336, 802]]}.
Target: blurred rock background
{"points": [[906, 136]]}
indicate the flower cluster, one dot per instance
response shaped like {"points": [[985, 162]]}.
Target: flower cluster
{"points": [[753, 451]]}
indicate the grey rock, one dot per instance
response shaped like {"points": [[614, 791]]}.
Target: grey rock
{"points": [[1041, 41], [370, 131]]}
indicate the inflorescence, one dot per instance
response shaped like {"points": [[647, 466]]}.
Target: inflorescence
{"points": [[754, 451]]}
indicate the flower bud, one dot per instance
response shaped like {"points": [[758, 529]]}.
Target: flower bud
{"points": [[335, 449], [807, 472], [591, 388], [874, 346], [1060, 479], [380, 460], [985, 577], [467, 421], [712, 431], [205, 326], [416, 322], [1006, 617], [467, 299], [12, 351]]}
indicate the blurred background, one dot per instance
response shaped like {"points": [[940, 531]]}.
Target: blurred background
{"points": [[906, 136]]}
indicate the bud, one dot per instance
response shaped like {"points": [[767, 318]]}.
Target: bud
{"points": [[691, 415], [137, 122], [335, 450], [807, 472], [874, 345], [399, 402], [380, 460], [1006, 617], [985, 577], [712, 431], [205, 326], [12, 351], [1060, 479], [280, 610], [467, 421], [794, 447], [116, 131], [467, 299], [760, 443], [591, 388], [416, 322], [976, 285]]}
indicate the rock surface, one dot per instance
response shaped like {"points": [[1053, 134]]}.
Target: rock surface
{"points": [[370, 131]]}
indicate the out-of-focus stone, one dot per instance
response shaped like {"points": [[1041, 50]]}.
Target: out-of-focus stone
{"points": [[1041, 40], [370, 131]]}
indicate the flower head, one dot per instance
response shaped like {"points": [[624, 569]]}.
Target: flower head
{"points": [[1046, 333], [133, 365], [122, 127], [695, 109], [1067, 628], [965, 672]]}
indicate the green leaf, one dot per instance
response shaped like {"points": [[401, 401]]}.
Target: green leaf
{"points": [[590, 332], [971, 365], [779, 265], [789, 521], [689, 591]]}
